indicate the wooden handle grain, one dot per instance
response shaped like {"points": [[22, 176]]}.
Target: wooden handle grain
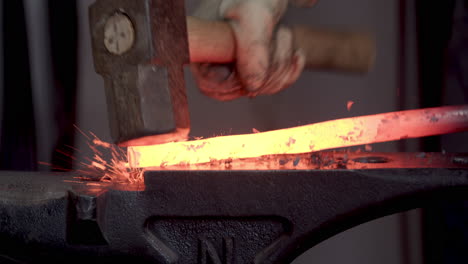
{"points": [[214, 42]]}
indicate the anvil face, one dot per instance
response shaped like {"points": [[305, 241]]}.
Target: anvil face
{"points": [[222, 216]]}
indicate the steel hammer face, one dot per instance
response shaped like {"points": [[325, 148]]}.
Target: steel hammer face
{"points": [[140, 48]]}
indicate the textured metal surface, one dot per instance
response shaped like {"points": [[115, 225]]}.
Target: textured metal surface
{"points": [[329, 160], [204, 216], [145, 86]]}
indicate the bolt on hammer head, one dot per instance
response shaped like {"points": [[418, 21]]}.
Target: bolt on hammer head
{"points": [[140, 48]]}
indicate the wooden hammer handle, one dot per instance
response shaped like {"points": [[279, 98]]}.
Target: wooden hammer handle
{"points": [[214, 42]]}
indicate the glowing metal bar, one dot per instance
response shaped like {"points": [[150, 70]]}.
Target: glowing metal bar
{"points": [[320, 136]]}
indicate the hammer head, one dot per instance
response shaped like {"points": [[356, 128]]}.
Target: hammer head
{"points": [[140, 48]]}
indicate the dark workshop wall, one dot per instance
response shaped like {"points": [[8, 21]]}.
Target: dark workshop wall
{"points": [[443, 50], [1, 73], [455, 90], [17, 141], [41, 74]]}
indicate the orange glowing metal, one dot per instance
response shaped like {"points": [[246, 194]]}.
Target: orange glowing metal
{"points": [[349, 105], [326, 135]]}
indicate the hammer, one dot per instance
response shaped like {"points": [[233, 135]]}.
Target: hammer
{"points": [[140, 47]]}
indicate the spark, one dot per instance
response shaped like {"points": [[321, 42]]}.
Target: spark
{"points": [[349, 105], [105, 163], [110, 161]]}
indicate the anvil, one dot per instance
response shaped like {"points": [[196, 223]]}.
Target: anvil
{"points": [[216, 216]]}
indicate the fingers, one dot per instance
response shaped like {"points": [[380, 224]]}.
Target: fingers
{"points": [[253, 25], [218, 81], [287, 63], [223, 82], [266, 61], [281, 60]]}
